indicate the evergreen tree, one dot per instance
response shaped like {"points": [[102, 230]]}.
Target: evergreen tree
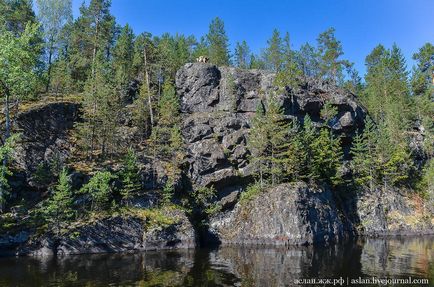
{"points": [[363, 152], [266, 140], [166, 141], [273, 54], [256, 62], [258, 142], [308, 60], [293, 155], [59, 207], [16, 15], [218, 43], [330, 50], [6, 151], [100, 190], [242, 55], [92, 32], [129, 175], [326, 158], [123, 58], [290, 74], [101, 112], [201, 48]]}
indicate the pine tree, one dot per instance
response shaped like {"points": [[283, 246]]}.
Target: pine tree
{"points": [[277, 130], [266, 140], [258, 142], [242, 55], [290, 74], [123, 58], [293, 155], [59, 208], [326, 157], [129, 175], [16, 15], [330, 49], [363, 152], [92, 32], [100, 190], [101, 112], [308, 60], [165, 142], [218, 43], [6, 151], [273, 54]]}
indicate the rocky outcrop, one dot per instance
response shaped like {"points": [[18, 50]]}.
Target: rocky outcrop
{"points": [[44, 134], [296, 214], [117, 234], [390, 212], [288, 214], [217, 104]]}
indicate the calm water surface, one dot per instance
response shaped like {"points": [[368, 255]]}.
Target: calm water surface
{"points": [[397, 258]]}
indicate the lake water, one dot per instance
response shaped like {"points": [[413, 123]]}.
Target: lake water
{"points": [[237, 266]]}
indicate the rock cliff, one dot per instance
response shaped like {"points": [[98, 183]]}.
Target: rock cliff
{"points": [[217, 104]]}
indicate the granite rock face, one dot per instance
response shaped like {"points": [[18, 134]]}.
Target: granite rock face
{"points": [[217, 104], [117, 234], [44, 134], [288, 214]]}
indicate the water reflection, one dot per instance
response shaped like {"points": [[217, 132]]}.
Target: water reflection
{"points": [[235, 266]]}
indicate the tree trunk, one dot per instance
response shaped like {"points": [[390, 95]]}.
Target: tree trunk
{"points": [[93, 125], [50, 55], [151, 114], [7, 135]]}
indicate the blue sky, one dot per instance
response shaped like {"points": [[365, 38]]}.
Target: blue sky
{"points": [[360, 25]]}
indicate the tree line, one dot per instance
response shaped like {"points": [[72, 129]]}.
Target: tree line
{"points": [[51, 53]]}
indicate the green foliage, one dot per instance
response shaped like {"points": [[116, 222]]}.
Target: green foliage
{"points": [[273, 54], [218, 43], [326, 157], [42, 174], [101, 111], [252, 191], [426, 186], [53, 14], [328, 112], [330, 50], [6, 151], [59, 207], [16, 15], [364, 159], [399, 166], [242, 55], [308, 61], [100, 190], [266, 138], [123, 58], [290, 74], [18, 60], [129, 175], [203, 196]]}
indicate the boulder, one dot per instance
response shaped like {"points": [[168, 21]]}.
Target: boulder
{"points": [[117, 234], [288, 214]]}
